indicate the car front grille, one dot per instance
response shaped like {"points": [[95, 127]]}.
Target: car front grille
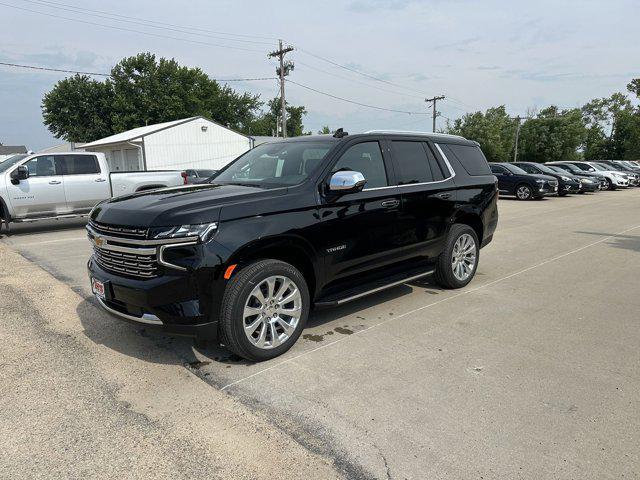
{"points": [[129, 264], [128, 232]]}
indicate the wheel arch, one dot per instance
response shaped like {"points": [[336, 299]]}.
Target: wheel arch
{"points": [[473, 219], [291, 249]]}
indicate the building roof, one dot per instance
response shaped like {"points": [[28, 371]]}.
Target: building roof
{"points": [[12, 149], [64, 147], [136, 133]]}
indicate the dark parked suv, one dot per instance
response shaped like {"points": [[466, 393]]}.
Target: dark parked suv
{"points": [[566, 184], [303, 222], [513, 180]]}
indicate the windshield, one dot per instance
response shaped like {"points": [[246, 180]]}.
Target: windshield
{"points": [[545, 169], [275, 164], [558, 170], [10, 162], [514, 169], [599, 167]]}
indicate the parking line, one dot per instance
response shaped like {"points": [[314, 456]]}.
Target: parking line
{"points": [[465, 292]]}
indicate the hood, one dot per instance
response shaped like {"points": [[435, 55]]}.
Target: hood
{"points": [[540, 176], [184, 205]]}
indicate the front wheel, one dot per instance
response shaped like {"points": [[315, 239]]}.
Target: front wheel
{"points": [[610, 185], [458, 262], [524, 192], [264, 310]]}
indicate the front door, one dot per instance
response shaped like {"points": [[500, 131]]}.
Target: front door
{"points": [[506, 183], [42, 194], [359, 229]]}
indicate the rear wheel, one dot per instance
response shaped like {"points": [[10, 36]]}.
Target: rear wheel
{"points": [[264, 310], [524, 192], [458, 262]]}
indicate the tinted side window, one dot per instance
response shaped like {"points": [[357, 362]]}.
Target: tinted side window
{"points": [[79, 164], [439, 171], [497, 169], [365, 158], [44, 166], [471, 158], [412, 161]]}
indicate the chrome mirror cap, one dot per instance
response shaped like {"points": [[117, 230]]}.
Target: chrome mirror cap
{"points": [[346, 181]]}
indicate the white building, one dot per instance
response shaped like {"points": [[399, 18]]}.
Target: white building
{"points": [[189, 143]]}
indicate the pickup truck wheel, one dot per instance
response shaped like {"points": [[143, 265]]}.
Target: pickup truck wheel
{"points": [[458, 262], [264, 310]]}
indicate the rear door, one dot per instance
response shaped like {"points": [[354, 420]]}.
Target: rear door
{"points": [[42, 194], [428, 197], [84, 182], [359, 229]]}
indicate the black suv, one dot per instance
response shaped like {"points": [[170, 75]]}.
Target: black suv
{"points": [[307, 221], [513, 180], [566, 184]]}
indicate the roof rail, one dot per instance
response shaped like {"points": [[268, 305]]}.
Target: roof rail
{"points": [[411, 132]]}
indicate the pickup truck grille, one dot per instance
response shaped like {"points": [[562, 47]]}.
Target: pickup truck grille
{"points": [[130, 264], [116, 230]]}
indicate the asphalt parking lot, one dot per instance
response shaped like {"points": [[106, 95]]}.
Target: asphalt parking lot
{"points": [[532, 371]]}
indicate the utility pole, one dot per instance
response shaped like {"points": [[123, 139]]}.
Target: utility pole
{"points": [[282, 71], [435, 112], [515, 149]]}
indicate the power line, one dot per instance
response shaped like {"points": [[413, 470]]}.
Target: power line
{"points": [[133, 20], [157, 35], [345, 67], [34, 67], [353, 101]]}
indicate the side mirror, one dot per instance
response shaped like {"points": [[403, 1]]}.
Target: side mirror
{"points": [[346, 181], [20, 173]]}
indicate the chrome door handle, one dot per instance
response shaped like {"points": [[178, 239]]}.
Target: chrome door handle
{"points": [[100, 180], [443, 195], [55, 182], [390, 203]]}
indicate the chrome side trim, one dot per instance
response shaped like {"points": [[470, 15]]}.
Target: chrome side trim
{"points": [[384, 287], [164, 263], [133, 241], [147, 318]]}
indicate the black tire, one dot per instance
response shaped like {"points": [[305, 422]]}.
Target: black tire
{"points": [[610, 185], [444, 272], [524, 187], [562, 194], [238, 289]]}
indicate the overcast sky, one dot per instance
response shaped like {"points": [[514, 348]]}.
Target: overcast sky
{"points": [[477, 53]]}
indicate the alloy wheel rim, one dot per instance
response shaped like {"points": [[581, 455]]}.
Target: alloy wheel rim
{"points": [[463, 259], [272, 312], [523, 192]]}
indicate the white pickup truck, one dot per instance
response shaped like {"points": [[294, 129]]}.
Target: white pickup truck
{"points": [[62, 185]]}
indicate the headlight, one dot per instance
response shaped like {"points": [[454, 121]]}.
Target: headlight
{"points": [[203, 231], [619, 175], [540, 181], [565, 179]]}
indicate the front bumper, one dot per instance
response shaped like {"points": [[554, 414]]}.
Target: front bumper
{"points": [[176, 304], [573, 187], [546, 190]]}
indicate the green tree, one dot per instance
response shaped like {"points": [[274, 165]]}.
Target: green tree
{"points": [[552, 135], [78, 109], [494, 130], [142, 91], [148, 91], [325, 130], [609, 123], [266, 124]]}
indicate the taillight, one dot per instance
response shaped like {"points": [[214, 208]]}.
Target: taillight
{"points": [[184, 177]]}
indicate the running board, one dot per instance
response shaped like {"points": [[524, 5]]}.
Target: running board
{"points": [[369, 289], [57, 217]]}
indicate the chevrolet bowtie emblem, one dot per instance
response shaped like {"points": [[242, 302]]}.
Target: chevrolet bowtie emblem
{"points": [[99, 241]]}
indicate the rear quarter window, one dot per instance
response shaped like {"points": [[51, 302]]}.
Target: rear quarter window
{"points": [[470, 157]]}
